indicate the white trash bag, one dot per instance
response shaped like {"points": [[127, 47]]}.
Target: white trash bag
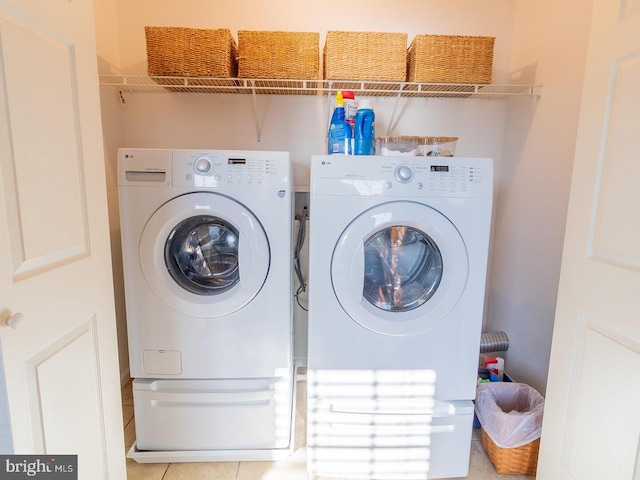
{"points": [[509, 412]]}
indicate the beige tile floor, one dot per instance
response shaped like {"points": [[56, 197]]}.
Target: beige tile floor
{"points": [[292, 468]]}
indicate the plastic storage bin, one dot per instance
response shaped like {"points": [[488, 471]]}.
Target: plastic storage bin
{"points": [[437, 146], [398, 145], [505, 378]]}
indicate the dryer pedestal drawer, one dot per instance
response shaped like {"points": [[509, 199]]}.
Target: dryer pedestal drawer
{"points": [[212, 414], [387, 442]]}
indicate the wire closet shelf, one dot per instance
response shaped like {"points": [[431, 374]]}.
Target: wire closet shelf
{"points": [[142, 83]]}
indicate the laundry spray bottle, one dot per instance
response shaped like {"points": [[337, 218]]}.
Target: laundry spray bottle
{"points": [[340, 132], [365, 129], [350, 109]]}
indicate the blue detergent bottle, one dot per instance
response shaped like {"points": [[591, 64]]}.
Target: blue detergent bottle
{"points": [[340, 132], [365, 130]]}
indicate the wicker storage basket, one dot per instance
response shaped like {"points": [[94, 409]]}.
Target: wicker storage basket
{"points": [[523, 459], [450, 59], [283, 55], [191, 52], [376, 56]]}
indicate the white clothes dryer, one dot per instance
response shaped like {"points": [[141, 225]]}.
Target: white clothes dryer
{"points": [[398, 261], [207, 250]]}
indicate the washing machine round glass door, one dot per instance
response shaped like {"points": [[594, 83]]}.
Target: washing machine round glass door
{"points": [[399, 268], [204, 254]]}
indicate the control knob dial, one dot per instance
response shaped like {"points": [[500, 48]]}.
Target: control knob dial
{"points": [[403, 173], [202, 165]]}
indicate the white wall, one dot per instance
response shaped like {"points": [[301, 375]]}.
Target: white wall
{"points": [[298, 123], [532, 141], [549, 47]]}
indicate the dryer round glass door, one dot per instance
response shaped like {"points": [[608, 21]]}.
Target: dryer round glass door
{"points": [[399, 268], [204, 254]]}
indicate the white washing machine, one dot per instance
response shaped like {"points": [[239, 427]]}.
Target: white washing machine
{"points": [[207, 242], [398, 261]]}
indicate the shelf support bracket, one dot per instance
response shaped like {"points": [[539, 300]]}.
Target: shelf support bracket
{"points": [[395, 108], [329, 107], [256, 117]]}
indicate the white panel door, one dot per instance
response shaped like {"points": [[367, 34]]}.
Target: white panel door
{"points": [[57, 319], [591, 427]]}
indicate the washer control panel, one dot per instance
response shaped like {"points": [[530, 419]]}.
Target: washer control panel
{"points": [[204, 168], [406, 176], [225, 168], [454, 178], [220, 168]]}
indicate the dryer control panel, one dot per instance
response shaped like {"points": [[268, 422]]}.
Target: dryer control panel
{"points": [[402, 176]]}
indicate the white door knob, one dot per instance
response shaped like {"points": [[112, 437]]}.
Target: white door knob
{"points": [[14, 320]]}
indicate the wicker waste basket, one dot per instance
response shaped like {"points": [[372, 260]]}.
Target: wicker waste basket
{"points": [[511, 418]]}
